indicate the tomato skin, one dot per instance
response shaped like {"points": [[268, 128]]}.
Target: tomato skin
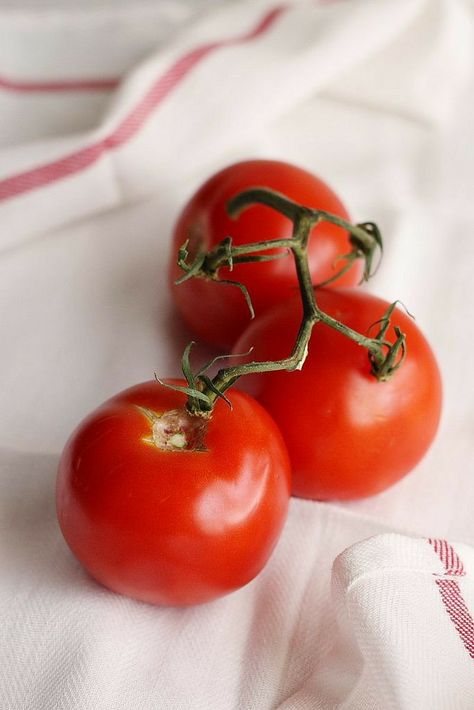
{"points": [[173, 527], [348, 435], [217, 312]]}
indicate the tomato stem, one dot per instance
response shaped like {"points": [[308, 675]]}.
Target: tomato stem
{"points": [[385, 357]]}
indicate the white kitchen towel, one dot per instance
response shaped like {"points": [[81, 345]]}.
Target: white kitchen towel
{"points": [[110, 115], [243, 65], [405, 622], [392, 629]]}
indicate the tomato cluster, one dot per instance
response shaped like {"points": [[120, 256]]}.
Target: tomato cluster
{"points": [[170, 496]]}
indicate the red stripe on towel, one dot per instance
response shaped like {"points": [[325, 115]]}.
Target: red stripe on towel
{"points": [[52, 86], [451, 594], [81, 159]]}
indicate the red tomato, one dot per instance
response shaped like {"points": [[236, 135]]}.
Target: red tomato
{"points": [[348, 434], [217, 312], [180, 526]]}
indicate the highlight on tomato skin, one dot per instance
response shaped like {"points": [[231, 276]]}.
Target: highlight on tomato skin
{"points": [[348, 435], [178, 523], [218, 313]]}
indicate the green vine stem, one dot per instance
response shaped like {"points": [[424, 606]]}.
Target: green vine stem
{"points": [[385, 356]]}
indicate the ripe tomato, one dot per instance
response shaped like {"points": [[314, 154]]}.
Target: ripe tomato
{"points": [[217, 312], [348, 434], [173, 526]]}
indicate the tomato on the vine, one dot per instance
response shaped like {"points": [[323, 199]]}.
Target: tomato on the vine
{"points": [[348, 434], [218, 312], [171, 509]]}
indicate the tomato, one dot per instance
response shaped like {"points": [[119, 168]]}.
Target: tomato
{"points": [[348, 434], [217, 312], [173, 526]]}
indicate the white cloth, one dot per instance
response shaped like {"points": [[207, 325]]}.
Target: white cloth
{"points": [[109, 117]]}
